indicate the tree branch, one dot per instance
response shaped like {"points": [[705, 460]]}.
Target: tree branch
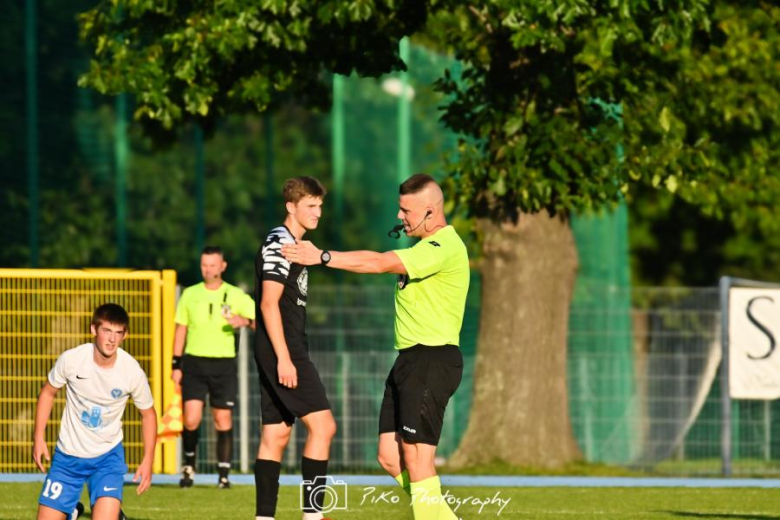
{"points": [[482, 19]]}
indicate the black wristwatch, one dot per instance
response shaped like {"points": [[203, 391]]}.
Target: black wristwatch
{"points": [[325, 257]]}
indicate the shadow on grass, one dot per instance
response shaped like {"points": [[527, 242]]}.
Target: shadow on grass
{"points": [[736, 516], [574, 469], [88, 515], [705, 469]]}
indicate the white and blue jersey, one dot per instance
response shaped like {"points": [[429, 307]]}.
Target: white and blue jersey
{"points": [[89, 447], [96, 399]]}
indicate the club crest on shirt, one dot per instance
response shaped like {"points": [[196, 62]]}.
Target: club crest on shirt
{"points": [[303, 281], [116, 393], [93, 419]]}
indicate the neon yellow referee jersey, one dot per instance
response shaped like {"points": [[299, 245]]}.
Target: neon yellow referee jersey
{"points": [[208, 332], [431, 299]]}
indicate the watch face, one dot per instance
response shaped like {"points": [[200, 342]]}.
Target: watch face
{"points": [[325, 257]]}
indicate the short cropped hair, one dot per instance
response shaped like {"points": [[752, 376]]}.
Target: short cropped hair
{"points": [[110, 313], [297, 188], [415, 183], [212, 250]]}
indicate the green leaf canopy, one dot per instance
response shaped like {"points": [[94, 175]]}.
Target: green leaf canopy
{"points": [[200, 60]]}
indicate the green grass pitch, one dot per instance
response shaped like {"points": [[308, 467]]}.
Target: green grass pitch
{"points": [[19, 502]]}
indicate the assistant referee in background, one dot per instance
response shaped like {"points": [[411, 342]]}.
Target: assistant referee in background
{"points": [[206, 317]]}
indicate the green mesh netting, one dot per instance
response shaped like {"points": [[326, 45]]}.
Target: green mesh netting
{"points": [[600, 360]]}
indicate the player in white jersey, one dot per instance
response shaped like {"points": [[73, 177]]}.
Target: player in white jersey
{"points": [[100, 378]]}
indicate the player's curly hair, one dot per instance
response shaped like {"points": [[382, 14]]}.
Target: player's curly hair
{"points": [[110, 313], [297, 188]]}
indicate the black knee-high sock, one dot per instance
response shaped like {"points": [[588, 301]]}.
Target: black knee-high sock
{"points": [[266, 486], [190, 444], [224, 452], [313, 470]]}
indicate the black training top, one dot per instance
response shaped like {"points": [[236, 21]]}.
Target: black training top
{"points": [[271, 265]]}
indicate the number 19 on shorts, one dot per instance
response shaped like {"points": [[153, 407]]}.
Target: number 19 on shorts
{"points": [[52, 490]]}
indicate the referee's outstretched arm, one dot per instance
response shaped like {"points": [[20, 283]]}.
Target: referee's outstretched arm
{"points": [[370, 262]]}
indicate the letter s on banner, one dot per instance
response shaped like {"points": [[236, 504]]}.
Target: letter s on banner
{"points": [[754, 328]]}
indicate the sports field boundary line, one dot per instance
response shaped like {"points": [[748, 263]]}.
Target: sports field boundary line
{"points": [[465, 481]]}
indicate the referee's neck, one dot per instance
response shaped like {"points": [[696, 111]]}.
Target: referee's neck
{"points": [[213, 286]]}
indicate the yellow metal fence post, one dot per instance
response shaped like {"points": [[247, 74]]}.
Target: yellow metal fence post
{"points": [[168, 329], [156, 355]]}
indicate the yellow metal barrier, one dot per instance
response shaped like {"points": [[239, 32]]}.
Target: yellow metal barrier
{"points": [[168, 390], [44, 312]]}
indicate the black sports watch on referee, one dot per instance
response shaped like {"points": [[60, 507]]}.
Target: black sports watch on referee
{"points": [[325, 257]]}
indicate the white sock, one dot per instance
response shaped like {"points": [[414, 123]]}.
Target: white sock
{"points": [[312, 516], [264, 518]]}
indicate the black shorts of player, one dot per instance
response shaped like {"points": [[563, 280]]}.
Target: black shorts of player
{"points": [[281, 404], [417, 390], [217, 377]]}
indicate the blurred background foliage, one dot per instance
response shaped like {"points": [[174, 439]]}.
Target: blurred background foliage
{"points": [[672, 242]]}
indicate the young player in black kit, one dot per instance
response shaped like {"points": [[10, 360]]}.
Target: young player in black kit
{"points": [[290, 385]]}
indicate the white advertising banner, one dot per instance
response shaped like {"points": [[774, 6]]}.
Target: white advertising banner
{"points": [[754, 332]]}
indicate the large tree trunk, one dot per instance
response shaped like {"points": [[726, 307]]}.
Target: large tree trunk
{"points": [[520, 411]]}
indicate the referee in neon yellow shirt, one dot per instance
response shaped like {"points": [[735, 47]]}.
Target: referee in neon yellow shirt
{"points": [[206, 318], [430, 299]]}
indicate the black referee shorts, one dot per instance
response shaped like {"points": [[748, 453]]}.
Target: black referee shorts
{"points": [[215, 377], [281, 404], [417, 390]]}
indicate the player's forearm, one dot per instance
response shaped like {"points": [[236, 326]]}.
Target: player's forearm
{"points": [[43, 411], [149, 432], [179, 339], [272, 318]]}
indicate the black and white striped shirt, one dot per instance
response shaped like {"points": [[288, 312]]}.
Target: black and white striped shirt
{"points": [[270, 265]]}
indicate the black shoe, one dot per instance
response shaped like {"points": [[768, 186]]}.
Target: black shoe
{"points": [[223, 483], [187, 476]]}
